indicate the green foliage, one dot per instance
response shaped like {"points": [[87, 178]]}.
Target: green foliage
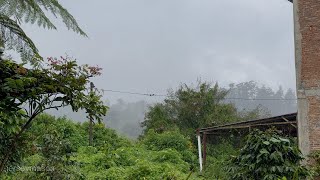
{"points": [[267, 155], [190, 108], [170, 140], [69, 132], [140, 163], [146, 170], [60, 83], [131, 161], [91, 162], [50, 151], [53, 156], [25, 93], [10, 124], [218, 155], [15, 12], [315, 156], [105, 138], [158, 118], [15, 38], [59, 147]]}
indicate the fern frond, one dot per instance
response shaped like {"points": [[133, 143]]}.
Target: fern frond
{"points": [[31, 11], [57, 9], [15, 38], [27, 11], [14, 12]]}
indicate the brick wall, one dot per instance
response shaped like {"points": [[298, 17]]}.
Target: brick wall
{"points": [[307, 38]]}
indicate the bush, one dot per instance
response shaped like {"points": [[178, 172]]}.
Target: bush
{"points": [[145, 170], [63, 145], [168, 139], [267, 155], [316, 162], [131, 163], [171, 140], [218, 156]]}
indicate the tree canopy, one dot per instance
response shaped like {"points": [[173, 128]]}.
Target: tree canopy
{"points": [[189, 108]]}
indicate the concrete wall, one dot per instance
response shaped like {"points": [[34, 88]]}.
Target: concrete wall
{"points": [[307, 49]]}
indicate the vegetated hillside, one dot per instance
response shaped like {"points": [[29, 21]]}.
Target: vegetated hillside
{"points": [[57, 148], [126, 117]]}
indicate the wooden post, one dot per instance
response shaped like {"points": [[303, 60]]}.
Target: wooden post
{"points": [[204, 140], [91, 121]]}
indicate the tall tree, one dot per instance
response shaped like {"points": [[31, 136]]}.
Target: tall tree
{"points": [[249, 95], [190, 108], [245, 90], [15, 12]]}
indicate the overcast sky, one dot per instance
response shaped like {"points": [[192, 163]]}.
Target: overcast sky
{"points": [[151, 45]]}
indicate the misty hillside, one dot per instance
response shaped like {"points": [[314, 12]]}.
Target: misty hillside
{"points": [[126, 117], [122, 116], [252, 95]]}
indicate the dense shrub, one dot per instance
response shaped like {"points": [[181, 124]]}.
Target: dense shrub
{"points": [[168, 139], [267, 155], [171, 140], [146, 170], [134, 162], [218, 156], [315, 156], [62, 145]]}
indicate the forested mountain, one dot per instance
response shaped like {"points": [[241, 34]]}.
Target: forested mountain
{"points": [[251, 95]]}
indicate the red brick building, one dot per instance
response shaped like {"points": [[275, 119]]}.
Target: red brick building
{"points": [[307, 58]]}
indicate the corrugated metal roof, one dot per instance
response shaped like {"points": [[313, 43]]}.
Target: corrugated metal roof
{"points": [[286, 119]]}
